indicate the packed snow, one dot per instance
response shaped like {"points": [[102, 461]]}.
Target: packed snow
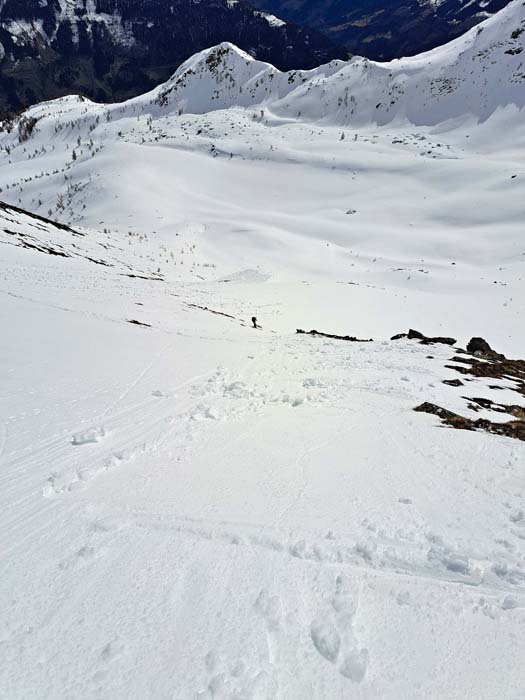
{"points": [[195, 508]]}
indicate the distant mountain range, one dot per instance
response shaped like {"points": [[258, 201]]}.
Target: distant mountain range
{"points": [[474, 75], [386, 29], [110, 50]]}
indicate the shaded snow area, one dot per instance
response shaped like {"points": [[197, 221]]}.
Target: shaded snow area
{"points": [[195, 508]]}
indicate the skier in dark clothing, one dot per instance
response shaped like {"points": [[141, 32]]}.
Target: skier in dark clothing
{"points": [[254, 321]]}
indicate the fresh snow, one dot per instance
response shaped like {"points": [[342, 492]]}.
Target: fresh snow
{"points": [[192, 508]]}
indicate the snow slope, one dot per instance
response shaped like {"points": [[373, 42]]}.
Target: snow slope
{"points": [[194, 508]]}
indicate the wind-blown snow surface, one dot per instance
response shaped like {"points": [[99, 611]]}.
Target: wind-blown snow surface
{"points": [[194, 508]]}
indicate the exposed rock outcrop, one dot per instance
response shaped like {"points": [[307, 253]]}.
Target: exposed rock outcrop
{"points": [[351, 338], [423, 339]]}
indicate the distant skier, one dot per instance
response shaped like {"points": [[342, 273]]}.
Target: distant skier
{"points": [[254, 321]]}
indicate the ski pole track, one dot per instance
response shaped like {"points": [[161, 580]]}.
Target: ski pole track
{"points": [[10, 539], [54, 445], [3, 440], [56, 448], [177, 420], [61, 482], [119, 447], [137, 380], [148, 412], [300, 463]]}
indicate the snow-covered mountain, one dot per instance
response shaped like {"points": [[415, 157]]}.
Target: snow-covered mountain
{"points": [[382, 29], [474, 75], [112, 49], [192, 507]]}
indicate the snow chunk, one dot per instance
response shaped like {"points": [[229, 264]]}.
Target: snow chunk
{"points": [[88, 436], [509, 603], [203, 412], [453, 561]]}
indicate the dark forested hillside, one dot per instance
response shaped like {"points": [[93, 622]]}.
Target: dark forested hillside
{"points": [[112, 49], [386, 29]]}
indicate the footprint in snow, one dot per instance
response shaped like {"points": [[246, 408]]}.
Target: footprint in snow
{"points": [[59, 483], [284, 635], [235, 679], [333, 635]]}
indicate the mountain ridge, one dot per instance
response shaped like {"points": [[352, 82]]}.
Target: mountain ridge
{"points": [[476, 74], [480, 71]]}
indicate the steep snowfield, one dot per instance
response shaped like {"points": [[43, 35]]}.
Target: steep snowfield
{"points": [[194, 508]]}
